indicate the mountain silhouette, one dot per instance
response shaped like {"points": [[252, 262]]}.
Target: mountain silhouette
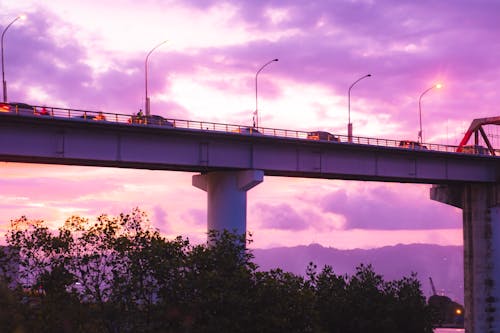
{"points": [[443, 263]]}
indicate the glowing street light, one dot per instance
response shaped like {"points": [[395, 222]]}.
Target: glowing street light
{"points": [[256, 113], [437, 86], [4, 83], [147, 105], [349, 124]]}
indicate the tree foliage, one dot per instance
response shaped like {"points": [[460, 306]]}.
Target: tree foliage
{"points": [[117, 274]]}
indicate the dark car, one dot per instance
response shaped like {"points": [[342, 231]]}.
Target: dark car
{"points": [[18, 108], [412, 145], [150, 120], [323, 136]]}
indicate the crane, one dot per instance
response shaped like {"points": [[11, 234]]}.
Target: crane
{"points": [[446, 313], [432, 286]]}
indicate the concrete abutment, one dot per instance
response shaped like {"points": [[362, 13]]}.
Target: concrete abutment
{"points": [[480, 203]]}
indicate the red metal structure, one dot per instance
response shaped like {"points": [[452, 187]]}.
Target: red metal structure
{"points": [[476, 128]]}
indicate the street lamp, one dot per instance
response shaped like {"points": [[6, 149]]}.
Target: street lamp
{"points": [[437, 86], [256, 113], [4, 83], [349, 124], [147, 106]]}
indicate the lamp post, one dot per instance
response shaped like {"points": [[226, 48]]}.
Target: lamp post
{"points": [[147, 106], [349, 124], [256, 113], [4, 83], [437, 86]]}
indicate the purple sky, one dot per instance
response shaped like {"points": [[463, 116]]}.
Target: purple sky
{"points": [[90, 55]]}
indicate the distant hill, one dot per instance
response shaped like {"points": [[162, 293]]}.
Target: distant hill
{"points": [[443, 263]]}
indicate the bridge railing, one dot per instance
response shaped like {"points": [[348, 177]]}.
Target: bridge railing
{"points": [[132, 120]]}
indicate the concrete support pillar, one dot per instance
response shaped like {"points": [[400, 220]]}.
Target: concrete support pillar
{"points": [[227, 197], [481, 225]]}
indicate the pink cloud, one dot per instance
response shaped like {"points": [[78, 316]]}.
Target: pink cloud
{"points": [[406, 46], [386, 208], [281, 216]]}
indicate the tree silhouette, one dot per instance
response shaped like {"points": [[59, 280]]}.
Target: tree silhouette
{"points": [[117, 274]]}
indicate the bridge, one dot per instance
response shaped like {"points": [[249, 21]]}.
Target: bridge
{"points": [[231, 159]]}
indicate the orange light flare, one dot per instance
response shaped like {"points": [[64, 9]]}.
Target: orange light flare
{"points": [[4, 107]]}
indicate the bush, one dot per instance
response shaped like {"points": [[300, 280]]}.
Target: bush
{"points": [[119, 275]]}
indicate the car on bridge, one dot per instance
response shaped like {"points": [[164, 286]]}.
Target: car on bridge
{"points": [[475, 149], [18, 108], [150, 120], [246, 130], [408, 144], [322, 136], [93, 116]]}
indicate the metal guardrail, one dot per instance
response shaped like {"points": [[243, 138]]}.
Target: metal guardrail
{"points": [[157, 121]]}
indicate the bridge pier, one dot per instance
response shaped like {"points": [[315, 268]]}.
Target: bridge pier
{"points": [[480, 205], [227, 197]]}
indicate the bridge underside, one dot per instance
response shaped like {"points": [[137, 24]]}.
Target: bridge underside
{"points": [[62, 141]]}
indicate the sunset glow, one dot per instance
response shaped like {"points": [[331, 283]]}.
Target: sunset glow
{"points": [[91, 56]]}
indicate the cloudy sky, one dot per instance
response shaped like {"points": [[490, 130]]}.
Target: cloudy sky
{"points": [[90, 55]]}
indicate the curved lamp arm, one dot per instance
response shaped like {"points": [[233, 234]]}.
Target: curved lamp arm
{"points": [[256, 113], [4, 83], [146, 106], [437, 86], [349, 125]]}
